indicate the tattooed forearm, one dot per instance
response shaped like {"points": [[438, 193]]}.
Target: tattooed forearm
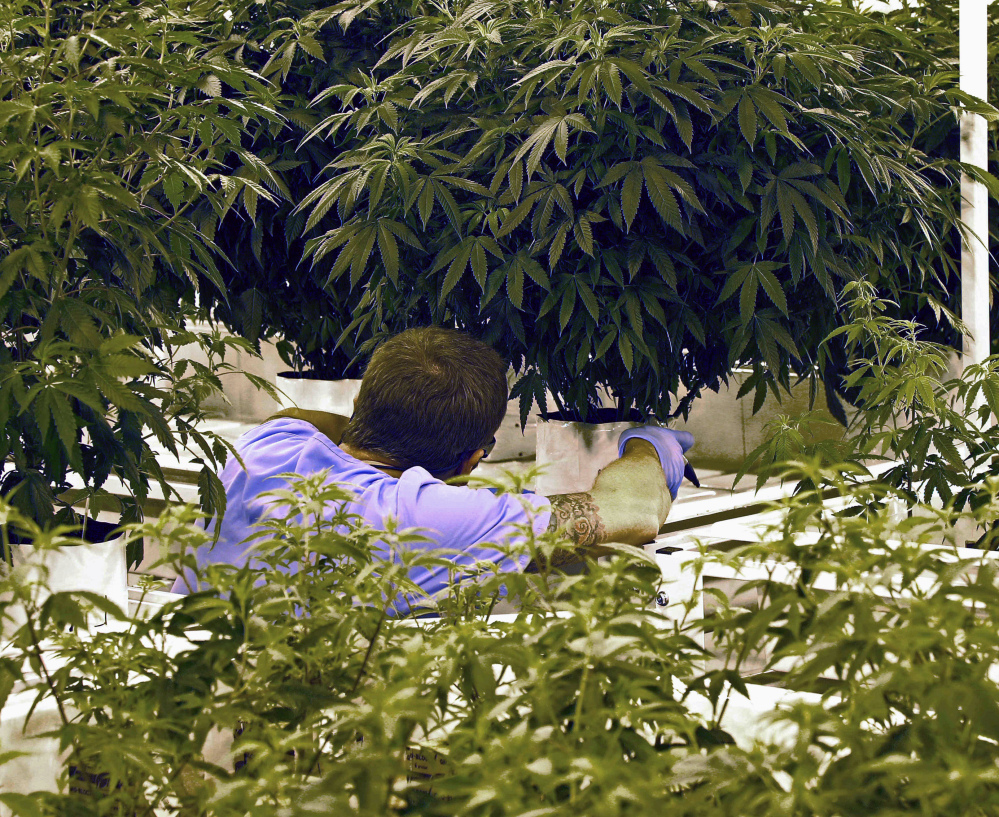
{"points": [[578, 516]]}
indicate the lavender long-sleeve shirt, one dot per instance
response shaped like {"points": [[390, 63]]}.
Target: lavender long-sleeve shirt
{"points": [[462, 520]]}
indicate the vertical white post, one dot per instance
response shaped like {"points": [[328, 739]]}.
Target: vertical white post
{"points": [[973, 25]]}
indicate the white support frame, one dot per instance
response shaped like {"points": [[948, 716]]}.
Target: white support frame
{"points": [[973, 36]]}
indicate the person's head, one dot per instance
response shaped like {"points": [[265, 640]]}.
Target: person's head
{"points": [[430, 397]]}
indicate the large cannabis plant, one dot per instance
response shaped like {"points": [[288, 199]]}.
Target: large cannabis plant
{"points": [[117, 123], [634, 195]]}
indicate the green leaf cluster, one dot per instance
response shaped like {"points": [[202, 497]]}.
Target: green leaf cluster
{"points": [[624, 195], [922, 423], [299, 685], [119, 128]]}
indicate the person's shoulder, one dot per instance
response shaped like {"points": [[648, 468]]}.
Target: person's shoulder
{"points": [[289, 437], [280, 427], [287, 445], [435, 495]]}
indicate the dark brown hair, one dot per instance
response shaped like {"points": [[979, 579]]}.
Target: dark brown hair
{"points": [[429, 397]]}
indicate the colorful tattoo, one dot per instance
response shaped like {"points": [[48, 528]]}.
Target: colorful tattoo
{"points": [[578, 516]]}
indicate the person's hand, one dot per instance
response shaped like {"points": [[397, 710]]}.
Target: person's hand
{"points": [[670, 445]]}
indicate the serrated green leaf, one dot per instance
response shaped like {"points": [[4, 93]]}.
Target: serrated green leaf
{"points": [[361, 246], [173, 186], [627, 353], [734, 279], [661, 196], [425, 202], [804, 211], [631, 196], [536, 272], [516, 217], [211, 492], [562, 140], [127, 366], [990, 388], [943, 443], [606, 342], [588, 298], [479, 266], [455, 270], [747, 119], [558, 244], [633, 308], [568, 305], [773, 288], [785, 209], [515, 284], [610, 75], [114, 392], [584, 235]]}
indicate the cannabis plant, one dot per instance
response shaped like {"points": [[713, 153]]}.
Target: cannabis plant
{"points": [[631, 195], [924, 429], [300, 685], [270, 290], [121, 134]]}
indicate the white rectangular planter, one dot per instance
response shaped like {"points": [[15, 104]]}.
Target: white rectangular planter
{"points": [[97, 567], [574, 453], [316, 394], [725, 429], [39, 768]]}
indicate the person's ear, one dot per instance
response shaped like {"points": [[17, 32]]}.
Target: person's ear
{"points": [[471, 461]]}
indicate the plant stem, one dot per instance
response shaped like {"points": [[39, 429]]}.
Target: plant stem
{"points": [[367, 653]]}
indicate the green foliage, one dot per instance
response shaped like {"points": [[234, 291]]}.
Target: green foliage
{"points": [[883, 619], [610, 193], [938, 22], [295, 693], [116, 127], [271, 291], [326, 689], [925, 431], [634, 196]]}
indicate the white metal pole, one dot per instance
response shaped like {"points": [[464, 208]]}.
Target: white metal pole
{"points": [[973, 23]]}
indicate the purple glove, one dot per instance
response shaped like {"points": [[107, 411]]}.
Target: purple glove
{"points": [[670, 445]]}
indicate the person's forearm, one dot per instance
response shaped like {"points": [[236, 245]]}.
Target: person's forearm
{"points": [[632, 494], [628, 503]]}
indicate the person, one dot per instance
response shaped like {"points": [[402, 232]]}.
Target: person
{"points": [[429, 405]]}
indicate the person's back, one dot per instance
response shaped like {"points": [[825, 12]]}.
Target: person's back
{"points": [[429, 406]]}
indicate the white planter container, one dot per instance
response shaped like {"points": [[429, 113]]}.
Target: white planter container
{"points": [[38, 769], [574, 453], [97, 567], [334, 396], [514, 442], [725, 429]]}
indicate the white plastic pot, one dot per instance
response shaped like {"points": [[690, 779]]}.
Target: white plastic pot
{"points": [[725, 429], [315, 394], [98, 567], [514, 442], [572, 454], [39, 767]]}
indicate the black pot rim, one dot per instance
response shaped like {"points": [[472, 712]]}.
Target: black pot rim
{"points": [[605, 416], [96, 533], [292, 375]]}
